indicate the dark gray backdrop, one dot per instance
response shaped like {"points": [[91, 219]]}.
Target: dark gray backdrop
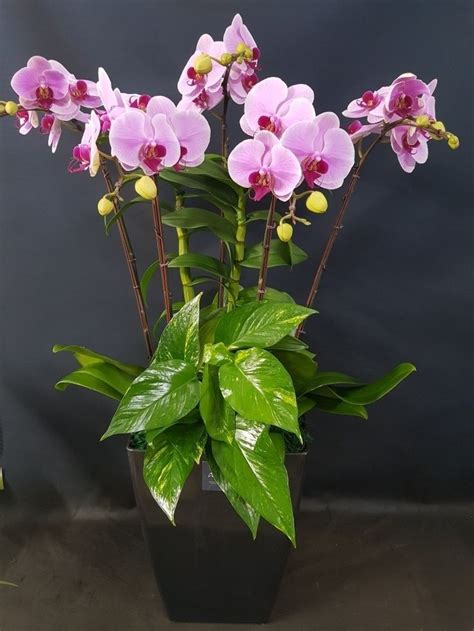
{"points": [[398, 285]]}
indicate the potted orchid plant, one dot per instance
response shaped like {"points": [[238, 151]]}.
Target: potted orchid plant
{"points": [[219, 413]]}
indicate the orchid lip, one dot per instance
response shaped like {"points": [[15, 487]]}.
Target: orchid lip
{"points": [[78, 90], [269, 123], [152, 155]]}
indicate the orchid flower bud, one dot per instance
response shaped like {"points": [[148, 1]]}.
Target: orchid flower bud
{"points": [[316, 202], [105, 206], [203, 64], [11, 108], [226, 59], [422, 121], [2, 108], [285, 232], [146, 187], [453, 141]]}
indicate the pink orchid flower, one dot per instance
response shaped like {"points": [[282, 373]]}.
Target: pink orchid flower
{"points": [[273, 106], [82, 93], [265, 165], [369, 105], [357, 130], [52, 126], [242, 76], [324, 150], [191, 129], [86, 154], [202, 91], [408, 96], [40, 85], [26, 120], [140, 140], [411, 146]]}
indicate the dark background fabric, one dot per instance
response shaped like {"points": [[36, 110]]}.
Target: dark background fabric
{"points": [[397, 288]]}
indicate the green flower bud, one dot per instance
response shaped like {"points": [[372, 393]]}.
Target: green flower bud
{"points": [[105, 206], [146, 187], [285, 232], [11, 108], [316, 202], [453, 141], [422, 121], [226, 59], [203, 64]]}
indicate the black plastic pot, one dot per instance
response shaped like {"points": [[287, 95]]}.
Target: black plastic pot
{"points": [[208, 568]]}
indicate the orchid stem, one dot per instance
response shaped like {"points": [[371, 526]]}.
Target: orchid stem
{"points": [[337, 227], [162, 261], [130, 260], [267, 239], [183, 248]]}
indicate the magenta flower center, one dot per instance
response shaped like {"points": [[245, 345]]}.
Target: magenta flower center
{"points": [[141, 103], [313, 167], [202, 100], [261, 182], [78, 90], [354, 127], [81, 157], [152, 155], [411, 147], [369, 99], [270, 123], [44, 96], [194, 76], [22, 117], [46, 123], [248, 81]]}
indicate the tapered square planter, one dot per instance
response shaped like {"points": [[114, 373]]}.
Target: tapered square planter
{"points": [[207, 567]]}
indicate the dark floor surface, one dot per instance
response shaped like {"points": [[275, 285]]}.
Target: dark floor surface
{"points": [[378, 570]]}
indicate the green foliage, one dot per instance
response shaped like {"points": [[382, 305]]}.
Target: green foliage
{"points": [[280, 254]]}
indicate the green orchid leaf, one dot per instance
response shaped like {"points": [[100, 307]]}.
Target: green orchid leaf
{"points": [[257, 385], [211, 168], [253, 467], [364, 395], [280, 254], [245, 511], [322, 379], [146, 279], [216, 413], [305, 405], [162, 394], [180, 338], [169, 461], [201, 261], [336, 406], [85, 357], [290, 343], [218, 189], [249, 294], [192, 218], [259, 324], [123, 208], [92, 379], [261, 215], [300, 366]]}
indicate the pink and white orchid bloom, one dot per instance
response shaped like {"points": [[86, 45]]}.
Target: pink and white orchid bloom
{"points": [[86, 154], [52, 126], [242, 76], [408, 96], [26, 120], [273, 106], [324, 150], [40, 85], [265, 165], [191, 128], [369, 105], [411, 146], [140, 140], [202, 92]]}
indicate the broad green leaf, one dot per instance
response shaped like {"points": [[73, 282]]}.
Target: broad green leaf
{"points": [[199, 218], [190, 418], [162, 394], [300, 366], [336, 406], [169, 461], [245, 511], [208, 325], [261, 215], [305, 404], [290, 343], [86, 357], [214, 187], [249, 294], [257, 385], [259, 323], [322, 379], [280, 254], [201, 261], [84, 378], [216, 413], [253, 467], [180, 338], [363, 395], [279, 443], [216, 354], [123, 208], [211, 167]]}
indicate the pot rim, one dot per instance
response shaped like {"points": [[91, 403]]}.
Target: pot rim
{"points": [[142, 451]]}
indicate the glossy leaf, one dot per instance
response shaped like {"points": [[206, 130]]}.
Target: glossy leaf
{"points": [[215, 169], [162, 394], [180, 337], [169, 461], [305, 405], [322, 379], [245, 511], [261, 215], [210, 185], [254, 468], [290, 343], [85, 357], [208, 325], [146, 279], [201, 261], [216, 354], [364, 395], [259, 324], [336, 406], [249, 294], [191, 218], [216, 413], [89, 378], [300, 366], [257, 385], [280, 254]]}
